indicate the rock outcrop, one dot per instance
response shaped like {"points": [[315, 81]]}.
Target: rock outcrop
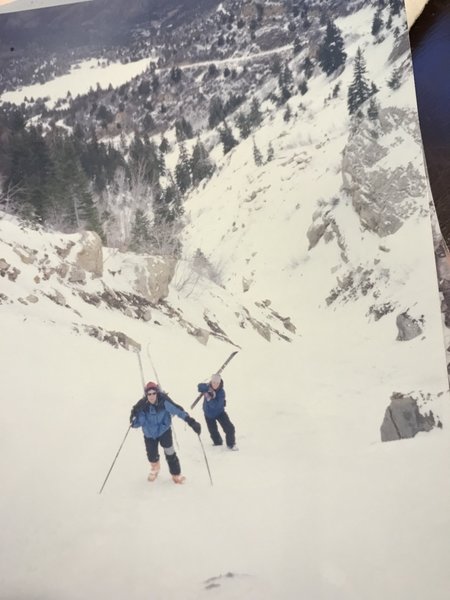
{"points": [[408, 327], [403, 419], [150, 275], [90, 257], [384, 194]]}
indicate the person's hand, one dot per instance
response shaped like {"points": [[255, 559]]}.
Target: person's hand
{"points": [[133, 414], [136, 408], [193, 424], [203, 387]]}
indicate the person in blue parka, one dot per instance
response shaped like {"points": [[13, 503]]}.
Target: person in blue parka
{"points": [[214, 402], [154, 414]]}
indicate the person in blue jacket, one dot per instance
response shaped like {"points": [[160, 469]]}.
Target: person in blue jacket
{"points": [[214, 402], [154, 414]]}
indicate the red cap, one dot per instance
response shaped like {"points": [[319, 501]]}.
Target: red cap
{"points": [[151, 385]]}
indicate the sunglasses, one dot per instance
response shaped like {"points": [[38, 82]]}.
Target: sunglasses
{"points": [[151, 393]]}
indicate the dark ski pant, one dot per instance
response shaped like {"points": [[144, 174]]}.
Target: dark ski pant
{"points": [[151, 445], [227, 426]]}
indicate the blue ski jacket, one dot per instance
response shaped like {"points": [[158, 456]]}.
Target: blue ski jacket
{"points": [[156, 418], [213, 401]]}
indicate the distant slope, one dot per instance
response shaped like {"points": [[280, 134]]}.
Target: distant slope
{"points": [[101, 22]]}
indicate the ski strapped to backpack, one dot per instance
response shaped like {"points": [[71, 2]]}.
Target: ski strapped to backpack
{"points": [[232, 355]]}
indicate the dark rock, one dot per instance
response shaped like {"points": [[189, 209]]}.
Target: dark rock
{"points": [[403, 419], [408, 327]]}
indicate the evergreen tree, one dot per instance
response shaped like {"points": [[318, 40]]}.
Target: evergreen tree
{"points": [[275, 65], [146, 160], [140, 232], [372, 111], [183, 170], [155, 83], [395, 80], [227, 138], [287, 114], [377, 23], [164, 146], [331, 53], [244, 125], [144, 87], [396, 6], [359, 90], [29, 170], [285, 81], [216, 112], [168, 210], [255, 116], [175, 74], [298, 46], [202, 166], [257, 156], [270, 152], [72, 205], [307, 67], [303, 87], [183, 130]]}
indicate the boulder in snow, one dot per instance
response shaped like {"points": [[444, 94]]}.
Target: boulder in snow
{"points": [[77, 275], [149, 275], [200, 334], [408, 327], [90, 257], [403, 419]]}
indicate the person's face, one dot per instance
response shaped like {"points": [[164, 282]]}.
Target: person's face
{"points": [[151, 396], [215, 385]]}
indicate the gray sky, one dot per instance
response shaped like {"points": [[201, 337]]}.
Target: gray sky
{"points": [[18, 5]]}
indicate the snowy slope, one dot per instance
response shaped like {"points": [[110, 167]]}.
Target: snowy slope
{"points": [[313, 505]]}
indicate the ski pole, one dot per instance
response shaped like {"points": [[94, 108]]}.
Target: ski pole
{"points": [[142, 370], [206, 460], [115, 458], [129, 427]]}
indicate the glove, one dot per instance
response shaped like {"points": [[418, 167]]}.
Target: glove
{"points": [[193, 424], [136, 408], [133, 414], [203, 387]]}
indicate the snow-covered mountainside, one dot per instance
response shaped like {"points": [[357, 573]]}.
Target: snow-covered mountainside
{"points": [[309, 248]]}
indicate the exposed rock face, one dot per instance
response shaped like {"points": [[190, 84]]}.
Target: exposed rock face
{"points": [[25, 254], [77, 275], [403, 419], [384, 194], [202, 335], [117, 339], [408, 327], [90, 257], [324, 226], [151, 275]]}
